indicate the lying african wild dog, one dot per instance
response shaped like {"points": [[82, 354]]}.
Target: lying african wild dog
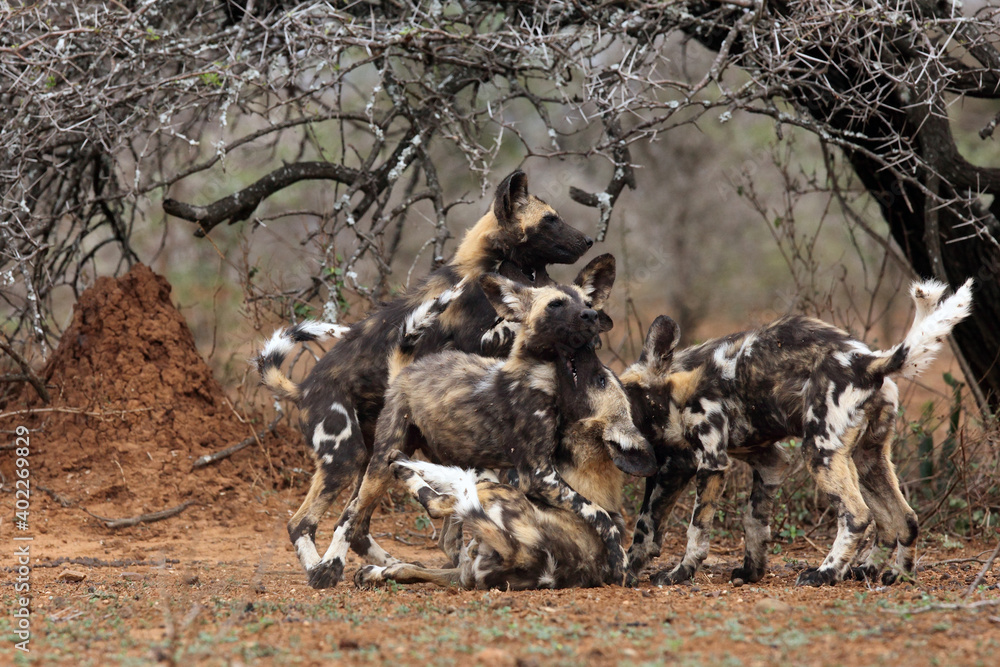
{"points": [[518, 542], [741, 394], [341, 398], [474, 411]]}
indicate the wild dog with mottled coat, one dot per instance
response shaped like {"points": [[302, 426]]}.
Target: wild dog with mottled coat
{"points": [[341, 398], [475, 411], [516, 541], [742, 394]]}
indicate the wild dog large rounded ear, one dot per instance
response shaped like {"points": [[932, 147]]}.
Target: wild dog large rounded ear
{"points": [[512, 194], [511, 300], [596, 280], [658, 350]]}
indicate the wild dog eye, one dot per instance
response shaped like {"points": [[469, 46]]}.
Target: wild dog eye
{"points": [[550, 219], [602, 381], [555, 305]]}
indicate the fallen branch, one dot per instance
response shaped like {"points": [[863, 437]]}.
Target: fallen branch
{"points": [[73, 411], [142, 518], [97, 562], [208, 459], [62, 500]]}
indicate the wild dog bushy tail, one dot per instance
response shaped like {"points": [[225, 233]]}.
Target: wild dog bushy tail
{"points": [[934, 319], [417, 322], [273, 355]]}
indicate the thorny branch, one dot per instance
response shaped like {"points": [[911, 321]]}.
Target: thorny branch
{"points": [[112, 107]]}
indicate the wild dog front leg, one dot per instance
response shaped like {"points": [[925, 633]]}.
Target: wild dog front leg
{"points": [[544, 481], [661, 494], [710, 485]]}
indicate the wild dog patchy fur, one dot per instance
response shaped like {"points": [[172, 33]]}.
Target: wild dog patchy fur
{"points": [[341, 398], [742, 394], [474, 411], [517, 542]]}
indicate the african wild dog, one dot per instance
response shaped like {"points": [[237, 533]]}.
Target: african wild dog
{"points": [[341, 398], [741, 394], [474, 411], [518, 542]]}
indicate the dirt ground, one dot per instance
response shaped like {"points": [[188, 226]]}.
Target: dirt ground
{"points": [[135, 406], [196, 590]]}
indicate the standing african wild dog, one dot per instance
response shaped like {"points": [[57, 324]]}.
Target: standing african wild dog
{"points": [[342, 396], [518, 542], [742, 394], [474, 411]]}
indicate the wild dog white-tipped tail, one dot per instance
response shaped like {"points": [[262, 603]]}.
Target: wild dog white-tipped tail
{"points": [[926, 295], [450, 481], [269, 360], [933, 322]]}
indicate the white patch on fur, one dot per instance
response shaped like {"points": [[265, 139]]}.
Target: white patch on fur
{"points": [[320, 436], [746, 349], [424, 315], [548, 576], [844, 358], [726, 363], [890, 390], [495, 514], [710, 407], [323, 330], [338, 545], [419, 318], [589, 510], [278, 343], [306, 550], [858, 347]]}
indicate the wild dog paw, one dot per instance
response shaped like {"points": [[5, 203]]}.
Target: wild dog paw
{"points": [[326, 574], [748, 574], [863, 573], [814, 576], [369, 576], [678, 575], [892, 576], [396, 455]]}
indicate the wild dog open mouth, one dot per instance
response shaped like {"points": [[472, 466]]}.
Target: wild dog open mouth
{"points": [[571, 368]]}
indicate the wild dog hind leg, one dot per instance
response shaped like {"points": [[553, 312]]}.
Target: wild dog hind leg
{"points": [[769, 465], [829, 460], [896, 524]]}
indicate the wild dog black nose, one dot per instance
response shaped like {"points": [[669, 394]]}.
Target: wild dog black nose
{"points": [[589, 241], [589, 315]]}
